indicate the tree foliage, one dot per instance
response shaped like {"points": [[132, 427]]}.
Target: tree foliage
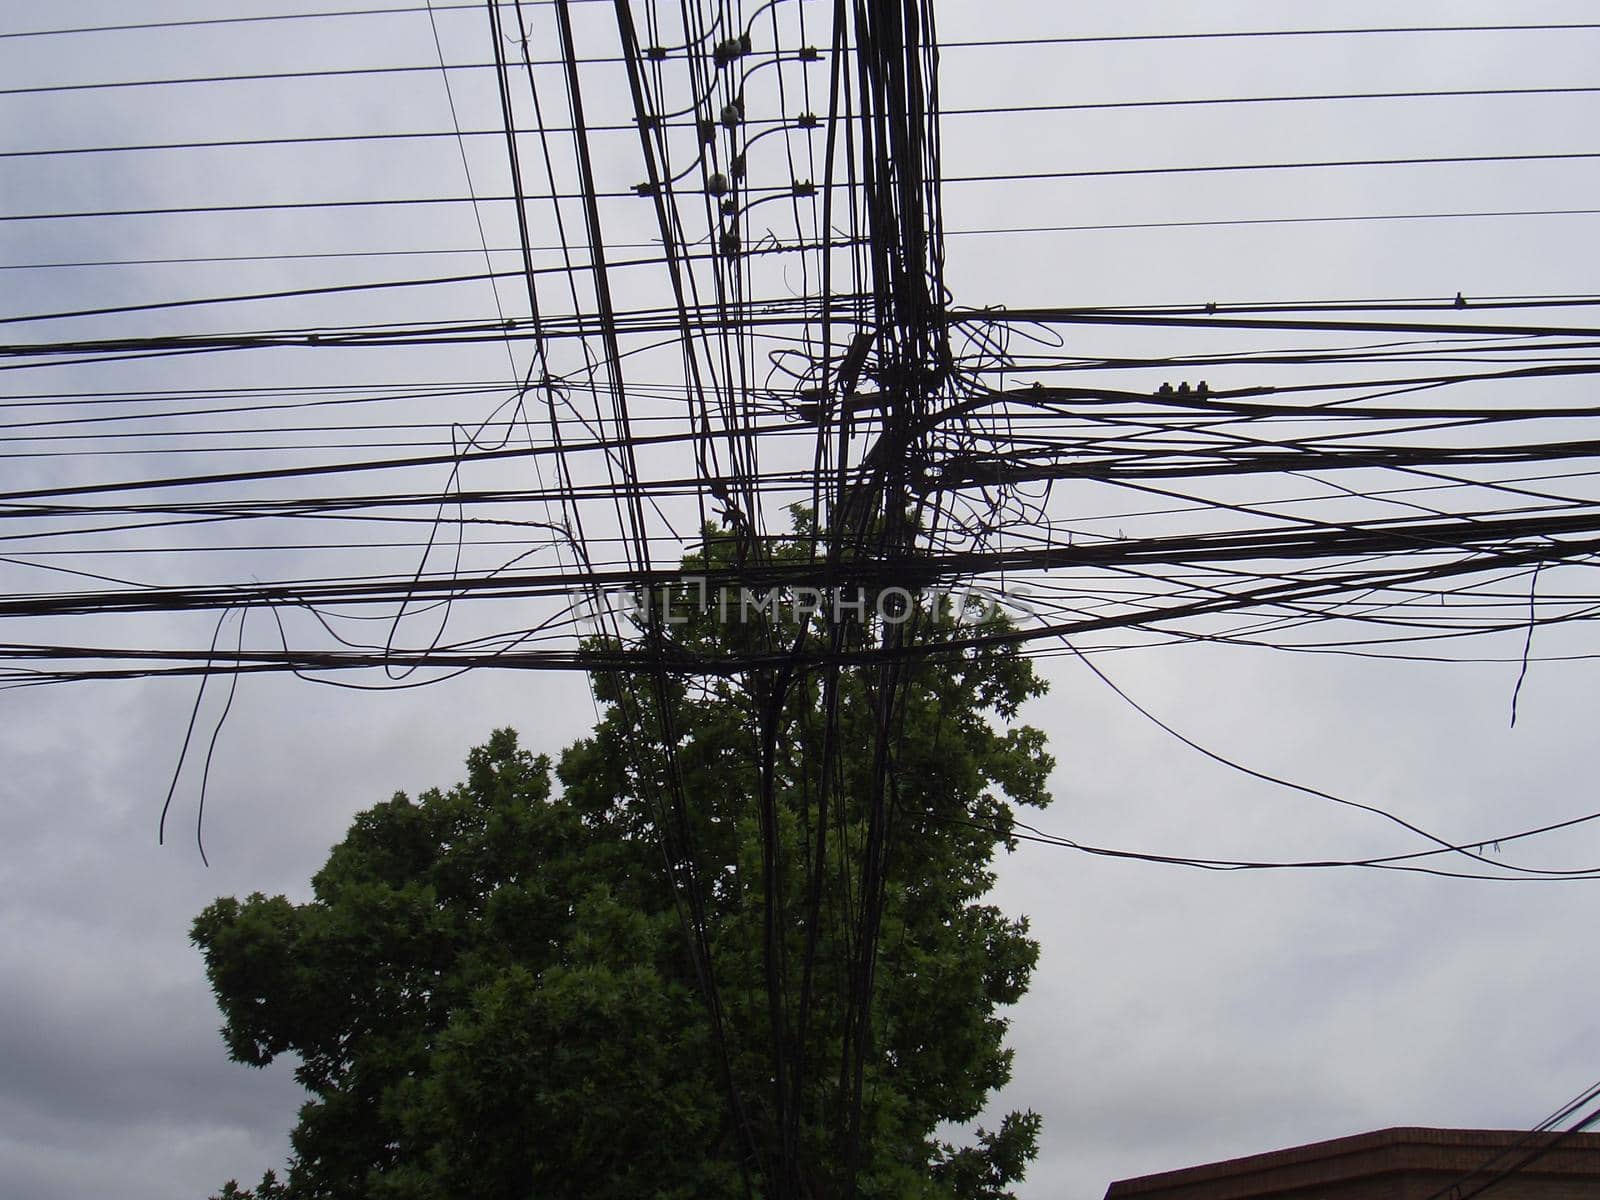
{"points": [[495, 990]]}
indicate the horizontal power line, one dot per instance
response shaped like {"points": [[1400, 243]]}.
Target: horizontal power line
{"points": [[774, 122], [687, 122], [1337, 219], [1087, 39], [994, 177], [256, 77], [250, 19], [1306, 165], [1212, 35], [477, 251]]}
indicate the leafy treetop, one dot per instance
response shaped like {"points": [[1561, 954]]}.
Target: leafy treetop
{"points": [[491, 992]]}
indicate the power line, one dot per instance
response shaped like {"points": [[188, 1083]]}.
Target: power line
{"points": [[1091, 39], [948, 113], [251, 19]]}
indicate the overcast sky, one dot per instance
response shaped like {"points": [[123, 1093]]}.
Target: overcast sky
{"points": [[1177, 1016]]}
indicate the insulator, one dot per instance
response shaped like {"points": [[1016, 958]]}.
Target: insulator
{"points": [[731, 50]]}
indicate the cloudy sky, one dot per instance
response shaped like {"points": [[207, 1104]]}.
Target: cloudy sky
{"points": [[1177, 1016]]}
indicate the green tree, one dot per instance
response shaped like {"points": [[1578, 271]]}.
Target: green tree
{"points": [[614, 989]]}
